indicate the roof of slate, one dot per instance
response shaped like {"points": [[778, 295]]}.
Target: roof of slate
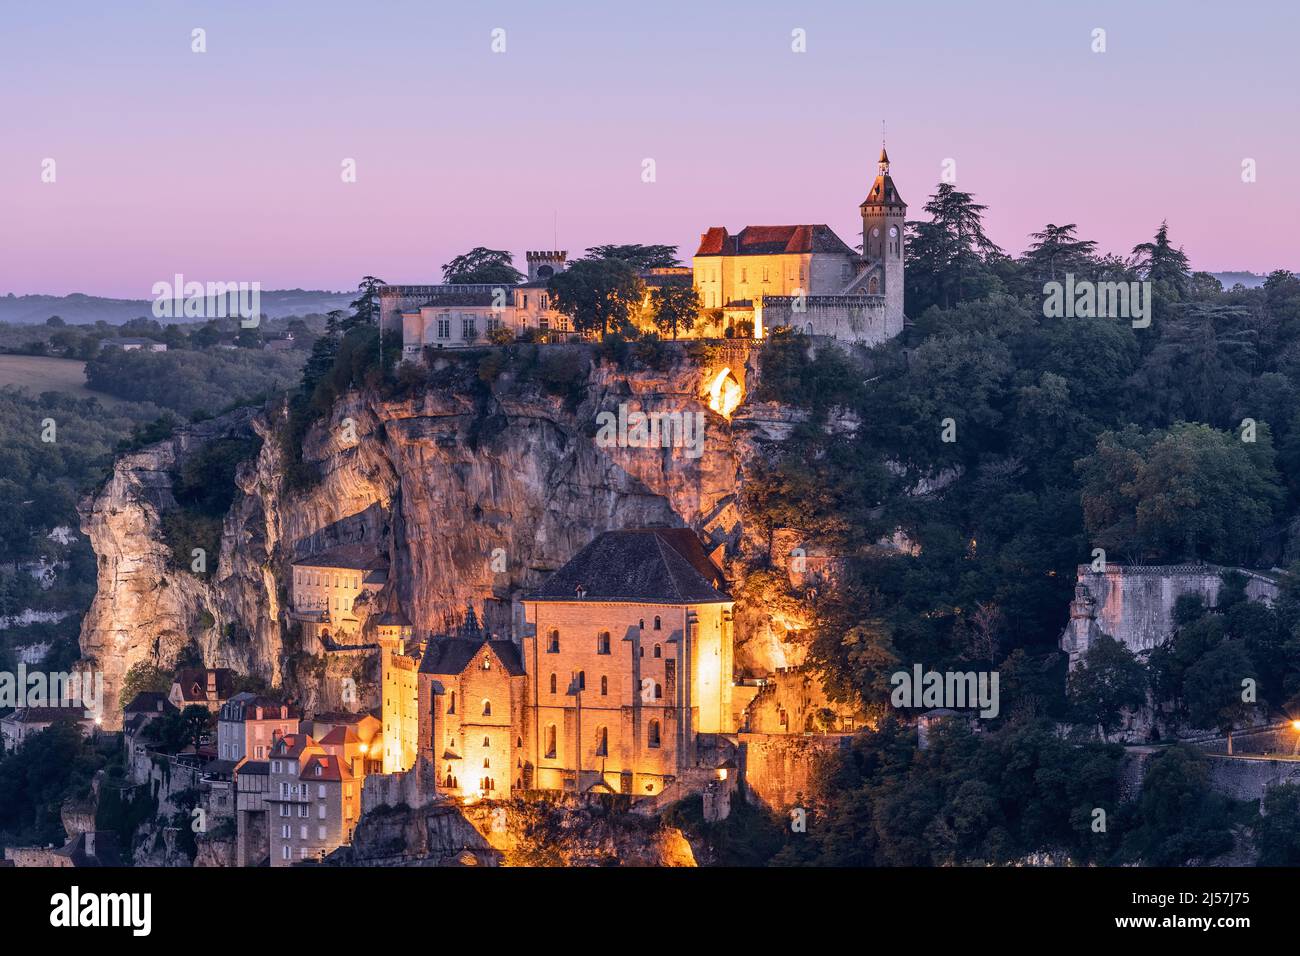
{"points": [[451, 655], [772, 240], [644, 566], [355, 557]]}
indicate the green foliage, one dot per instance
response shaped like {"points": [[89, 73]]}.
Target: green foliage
{"points": [[1108, 681], [143, 676], [482, 266], [639, 257], [968, 798], [598, 294], [1177, 818], [675, 308], [204, 489], [1180, 494], [189, 381], [50, 766], [1277, 832]]}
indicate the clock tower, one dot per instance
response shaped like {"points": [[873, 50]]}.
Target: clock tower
{"points": [[883, 215]]}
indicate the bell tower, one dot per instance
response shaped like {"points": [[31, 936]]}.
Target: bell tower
{"points": [[883, 215]]}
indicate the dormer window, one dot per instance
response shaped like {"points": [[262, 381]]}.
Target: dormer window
{"points": [[318, 770]]}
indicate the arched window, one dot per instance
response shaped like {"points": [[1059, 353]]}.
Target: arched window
{"points": [[657, 623], [581, 680], [602, 742], [641, 624], [486, 763], [487, 663], [550, 741], [487, 742], [552, 683], [451, 708], [652, 739], [602, 642], [487, 707], [604, 686], [658, 651], [873, 286], [553, 643], [659, 691], [643, 650]]}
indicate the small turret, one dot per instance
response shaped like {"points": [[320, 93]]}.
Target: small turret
{"points": [[544, 264]]}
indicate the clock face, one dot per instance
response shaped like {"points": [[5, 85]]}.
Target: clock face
{"points": [[875, 233], [893, 232]]}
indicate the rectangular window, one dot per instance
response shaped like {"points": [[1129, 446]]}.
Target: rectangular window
{"points": [[320, 812], [320, 832], [302, 832], [467, 329], [444, 328], [320, 790]]}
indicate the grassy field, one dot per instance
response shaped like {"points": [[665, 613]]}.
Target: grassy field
{"points": [[38, 373]]}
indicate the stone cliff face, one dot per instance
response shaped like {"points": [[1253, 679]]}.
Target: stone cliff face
{"points": [[474, 494]]}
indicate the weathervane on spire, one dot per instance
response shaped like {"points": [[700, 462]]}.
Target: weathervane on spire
{"points": [[883, 163]]}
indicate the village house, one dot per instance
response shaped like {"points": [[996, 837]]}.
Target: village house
{"points": [[26, 721], [313, 800], [208, 687], [249, 725]]}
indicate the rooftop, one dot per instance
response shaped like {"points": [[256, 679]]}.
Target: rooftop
{"points": [[772, 240], [355, 557], [644, 566]]}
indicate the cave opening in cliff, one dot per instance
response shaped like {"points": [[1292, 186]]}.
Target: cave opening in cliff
{"points": [[725, 393]]}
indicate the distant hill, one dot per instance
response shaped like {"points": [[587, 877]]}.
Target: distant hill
{"points": [[81, 309], [1249, 279]]}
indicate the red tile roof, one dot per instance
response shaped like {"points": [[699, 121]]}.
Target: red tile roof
{"points": [[772, 240]]}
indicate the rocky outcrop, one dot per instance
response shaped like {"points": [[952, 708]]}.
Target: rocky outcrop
{"points": [[452, 483]]}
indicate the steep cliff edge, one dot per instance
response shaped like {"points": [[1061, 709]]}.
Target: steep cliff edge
{"points": [[453, 481]]}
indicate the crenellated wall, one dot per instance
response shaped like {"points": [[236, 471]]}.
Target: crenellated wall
{"points": [[1135, 603]]}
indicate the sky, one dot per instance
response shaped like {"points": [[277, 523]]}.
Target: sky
{"points": [[227, 165]]}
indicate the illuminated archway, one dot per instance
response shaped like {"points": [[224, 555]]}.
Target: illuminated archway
{"points": [[725, 393]]}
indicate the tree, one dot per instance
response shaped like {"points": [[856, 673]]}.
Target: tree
{"points": [[639, 257], [482, 266], [674, 307], [365, 307], [948, 257], [1058, 247], [1165, 267], [1177, 818], [597, 293], [1184, 493], [1108, 681], [196, 720], [1277, 832], [141, 677], [1215, 687]]}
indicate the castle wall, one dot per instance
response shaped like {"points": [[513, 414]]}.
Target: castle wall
{"points": [[861, 319], [1135, 604], [777, 769]]}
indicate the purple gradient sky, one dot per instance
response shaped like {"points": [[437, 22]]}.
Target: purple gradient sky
{"points": [[225, 165]]}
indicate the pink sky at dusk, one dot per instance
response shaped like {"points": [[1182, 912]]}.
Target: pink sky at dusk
{"points": [[225, 165]]}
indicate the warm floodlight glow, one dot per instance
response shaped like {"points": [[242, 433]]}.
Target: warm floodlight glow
{"points": [[724, 394]]}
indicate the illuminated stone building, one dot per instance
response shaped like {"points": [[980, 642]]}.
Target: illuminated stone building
{"points": [[629, 657], [328, 588], [807, 278], [625, 660]]}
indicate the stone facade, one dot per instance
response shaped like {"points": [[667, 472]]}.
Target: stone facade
{"points": [[1135, 603], [806, 278]]}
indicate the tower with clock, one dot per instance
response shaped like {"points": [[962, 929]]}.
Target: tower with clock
{"points": [[883, 215]]}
